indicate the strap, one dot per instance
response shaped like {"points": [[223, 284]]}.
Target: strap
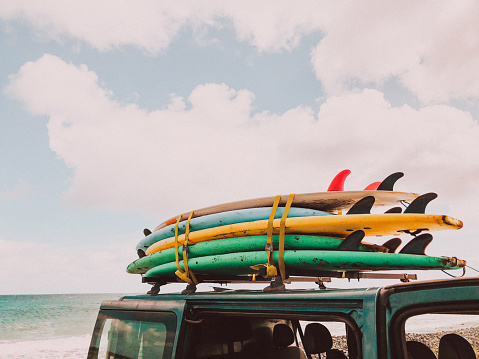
{"points": [[282, 230], [179, 272], [185, 275], [269, 231], [189, 273]]}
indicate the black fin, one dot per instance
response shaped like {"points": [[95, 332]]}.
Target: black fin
{"points": [[389, 181], [417, 245], [363, 206], [392, 244], [141, 253], [420, 203], [146, 232], [352, 242], [394, 210]]}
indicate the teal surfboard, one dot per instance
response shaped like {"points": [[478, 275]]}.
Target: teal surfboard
{"points": [[221, 219], [245, 244], [302, 262]]}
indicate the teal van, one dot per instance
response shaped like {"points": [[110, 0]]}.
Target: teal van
{"points": [[368, 323]]}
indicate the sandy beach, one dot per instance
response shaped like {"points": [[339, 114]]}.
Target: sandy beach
{"points": [[430, 339]]}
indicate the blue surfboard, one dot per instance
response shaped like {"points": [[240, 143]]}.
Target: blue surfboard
{"points": [[221, 219]]}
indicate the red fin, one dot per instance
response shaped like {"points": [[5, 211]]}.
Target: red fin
{"points": [[373, 186], [337, 184], [171, 221]]}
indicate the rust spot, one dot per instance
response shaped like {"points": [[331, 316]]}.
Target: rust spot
{"points": [[452, 221]]}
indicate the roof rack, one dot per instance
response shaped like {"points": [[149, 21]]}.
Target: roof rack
{"points": [[277, 284]]}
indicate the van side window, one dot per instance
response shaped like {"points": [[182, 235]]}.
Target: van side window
{"points": [[133, 335], [250, 337], [442, 335]]}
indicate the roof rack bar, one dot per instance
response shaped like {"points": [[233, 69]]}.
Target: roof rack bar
{"points": [[246, 279], [322, 277]]}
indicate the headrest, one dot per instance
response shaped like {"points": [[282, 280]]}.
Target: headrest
{"points": [[418, 350], [455, 346], [283, 335], [317, 339]]}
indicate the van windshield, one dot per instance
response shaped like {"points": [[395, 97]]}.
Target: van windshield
{"points": [[133, 335]]}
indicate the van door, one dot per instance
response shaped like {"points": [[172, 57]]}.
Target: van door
{"points": [[435, 319], [126, 334]]}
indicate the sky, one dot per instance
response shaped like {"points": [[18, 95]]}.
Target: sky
{"points": [[117, 115]]}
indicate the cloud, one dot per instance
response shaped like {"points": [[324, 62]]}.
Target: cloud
{"points": [[210, 148], [104, 26], [152, 26], [431, 47], [28, 267]]}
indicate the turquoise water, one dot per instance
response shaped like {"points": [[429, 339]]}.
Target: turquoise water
{"points": [[48, 326]]}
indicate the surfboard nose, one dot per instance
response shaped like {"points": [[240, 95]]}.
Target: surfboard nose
{"points": [[452, 222]]}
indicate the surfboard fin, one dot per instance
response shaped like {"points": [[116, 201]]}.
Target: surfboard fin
{"points": [[388, 183], [420, 203], [363, 206], [352, 242], [394, 210], [373, 186], [417, 245], [337, 184], [146, 232], [392, 244]]}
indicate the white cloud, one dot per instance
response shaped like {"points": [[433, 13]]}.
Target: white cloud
{"points": [[210, 148], [27, 267], [431, 47], [152, 25], [103, 25]]}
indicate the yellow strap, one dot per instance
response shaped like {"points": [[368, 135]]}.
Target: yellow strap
{"points": [[184, 275], [176, 245], [269, 231], [188, 272], [282, 231]]}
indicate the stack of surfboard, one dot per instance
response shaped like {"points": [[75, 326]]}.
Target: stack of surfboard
{"points": [[305, 233]]}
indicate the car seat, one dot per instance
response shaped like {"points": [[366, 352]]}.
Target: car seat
{"points": [[418, 350], [453, 346], [283, 337], [318, 340]]}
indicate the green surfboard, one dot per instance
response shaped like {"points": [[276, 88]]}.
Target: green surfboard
{"points": [[301, 262], [245, 244]]}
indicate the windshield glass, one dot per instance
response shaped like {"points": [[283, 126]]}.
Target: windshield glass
{"points": [[133, 335]]}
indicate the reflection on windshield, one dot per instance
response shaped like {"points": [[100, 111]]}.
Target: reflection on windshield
{"points": [[134, 338]]}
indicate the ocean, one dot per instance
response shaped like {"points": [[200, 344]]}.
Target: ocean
{"points": [[48, 326], [60, 326]]}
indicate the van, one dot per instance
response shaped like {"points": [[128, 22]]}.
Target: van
{"points": [[369, 323]]}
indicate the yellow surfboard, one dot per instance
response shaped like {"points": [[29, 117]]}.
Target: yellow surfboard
{"points": [[332, 226]]}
